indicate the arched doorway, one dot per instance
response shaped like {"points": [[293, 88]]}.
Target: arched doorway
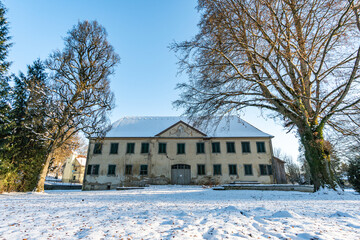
{"points": [[180, 174]]}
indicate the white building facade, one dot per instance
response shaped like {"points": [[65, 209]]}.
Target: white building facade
{"points": [[170, 150]]}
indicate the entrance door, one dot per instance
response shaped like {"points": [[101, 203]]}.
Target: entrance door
{"points": [[180, 174]]}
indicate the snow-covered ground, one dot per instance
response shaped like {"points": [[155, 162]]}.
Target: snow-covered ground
{"points": [[179, 212]]}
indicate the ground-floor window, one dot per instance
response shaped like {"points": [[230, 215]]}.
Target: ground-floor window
{"points": [[217, 169], [201, 169], [248, 169], [232, 169], [143, 169], [111, 169], [93, 169], [265, 169], [128, 169]]}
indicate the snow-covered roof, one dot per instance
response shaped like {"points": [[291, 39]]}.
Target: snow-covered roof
{"points": [[151, 126]]}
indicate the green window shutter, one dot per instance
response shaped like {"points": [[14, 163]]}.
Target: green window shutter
{"points": [[260, 147], [248, 169], [217, 169], [130, 148], [200, 147], [215, 147], [232, 169], [114, 148], [144, 147], [245, 147], [162, 147], [230, 147], [181, 148]]}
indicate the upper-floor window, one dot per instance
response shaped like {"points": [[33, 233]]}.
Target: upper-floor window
{"points": [[217, 169], [162, 147], [144, 147], [260, 147], [230, 147], [111, 169], [97, 148], [143, 169], [93, 169], [245, 147], [265, 169], [200, 147], [181, 148], [130, 148], [215, 147], [232, 169], [201, 169], [248, 169], [114, 148]]}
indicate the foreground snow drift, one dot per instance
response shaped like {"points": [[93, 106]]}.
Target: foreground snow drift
{"points": [[179, 212]]}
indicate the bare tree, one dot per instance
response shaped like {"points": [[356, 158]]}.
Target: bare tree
{"points": [[298, 59], [80, 88]]}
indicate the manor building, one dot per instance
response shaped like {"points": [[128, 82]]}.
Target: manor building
{"points": [[171, 150]]}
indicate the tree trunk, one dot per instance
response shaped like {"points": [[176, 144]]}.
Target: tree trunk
{"points": [[317, 154], [43, 173]]}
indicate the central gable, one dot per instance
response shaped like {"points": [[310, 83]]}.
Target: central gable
{"points": [[181, 130]]}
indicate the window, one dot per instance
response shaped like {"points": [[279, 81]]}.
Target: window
{"points": [[181, 148], [217, 169], [143, 169], [201, 169], [215, 147], [162, 147], [128, 169], [111, 169], [114, 148], [232, 169], [74, 177], [248, 169], [144, 147], [93, 169], [200, 147], [97, 148], [130, 148], [260, 147], [265, 169], [245, 147], [230, 147]]}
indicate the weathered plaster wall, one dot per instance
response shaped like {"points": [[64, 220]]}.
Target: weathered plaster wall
{"points": [[159, 165]]}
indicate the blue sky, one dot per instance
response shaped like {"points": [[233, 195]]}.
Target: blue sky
{"points": [[141, 32]]}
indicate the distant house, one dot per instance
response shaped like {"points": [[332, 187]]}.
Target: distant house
{"points": [[74, 168], [170, 150]]}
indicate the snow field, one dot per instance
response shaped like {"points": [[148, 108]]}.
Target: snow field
{"points": [[179, 212]]}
